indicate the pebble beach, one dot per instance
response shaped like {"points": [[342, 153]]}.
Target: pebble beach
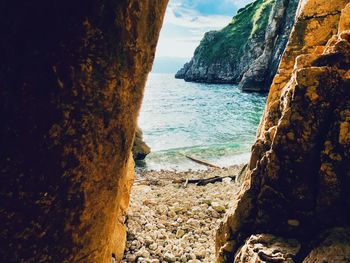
{"points": [[170, 220]]}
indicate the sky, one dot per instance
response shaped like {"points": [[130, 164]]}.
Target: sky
{"points": [[186, 21]]}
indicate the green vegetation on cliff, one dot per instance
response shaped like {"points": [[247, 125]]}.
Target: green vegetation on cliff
{"points": [[231, 40], [248, 50]]}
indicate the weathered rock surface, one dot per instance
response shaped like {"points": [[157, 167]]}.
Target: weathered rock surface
{"points": [[72, 75], [267, 248], [140, 149], [331, 246], [250, 47], [298, 174], [261, 71]]}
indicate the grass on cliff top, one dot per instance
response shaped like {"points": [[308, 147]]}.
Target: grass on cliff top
{"points": [[231, 40]]}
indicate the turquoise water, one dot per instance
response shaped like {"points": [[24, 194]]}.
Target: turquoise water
{"points": [[216, 123]]}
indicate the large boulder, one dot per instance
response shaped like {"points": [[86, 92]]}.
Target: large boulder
{"points": [[140, 149]]}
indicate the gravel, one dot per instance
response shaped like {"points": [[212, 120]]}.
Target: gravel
{"points": [[170, 223]]}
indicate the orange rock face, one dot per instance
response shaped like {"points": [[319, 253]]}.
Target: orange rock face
{"points": [[299, 169], [72, 80]]}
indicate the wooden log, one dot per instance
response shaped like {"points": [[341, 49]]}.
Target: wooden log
{"points": [[202, 162], [186, 183], [199, 182]]}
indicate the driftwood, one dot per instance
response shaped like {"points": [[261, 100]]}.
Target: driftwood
{"points": [[199, 182], [203, 182], [186, 183], [202, 162]]}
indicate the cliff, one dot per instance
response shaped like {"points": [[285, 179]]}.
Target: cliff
{"points": [[248, 50], [294, 203]]}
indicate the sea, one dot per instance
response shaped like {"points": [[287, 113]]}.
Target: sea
{"points": [[209, 122]]}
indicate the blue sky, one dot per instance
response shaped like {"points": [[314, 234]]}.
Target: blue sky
{"points": [[186, 21]]}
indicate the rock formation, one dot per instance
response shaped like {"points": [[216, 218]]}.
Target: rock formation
{"points": [[72, 76], [298, 179], [248, 50], [140, 149]]}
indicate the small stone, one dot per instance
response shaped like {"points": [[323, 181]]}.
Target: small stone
{"points": [[149, 227], [208, 202], [159, 251], [169, 257], [196, 209], [200, 254], [169, 247], [218, 208], [180, 233], [179, 220], [183, 258], [193, 256], [148, 240], [153, 246], [215, 214], [146, 202], [172, 213], [143, 253], [202, 240], [131, 258], [193, 222]]}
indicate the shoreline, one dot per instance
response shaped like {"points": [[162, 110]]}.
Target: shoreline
{"points": [[168, 222], [225, 162]]}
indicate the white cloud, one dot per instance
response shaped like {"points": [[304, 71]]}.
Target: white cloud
{"points": [[192, 19], [184, 25]]}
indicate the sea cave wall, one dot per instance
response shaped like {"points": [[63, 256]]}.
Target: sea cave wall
{"points": [[294, 205], [72, 76]]}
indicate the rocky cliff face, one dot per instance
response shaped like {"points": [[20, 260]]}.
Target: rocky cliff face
{"points": [[297, 185], [248, 50], [72, 78]]}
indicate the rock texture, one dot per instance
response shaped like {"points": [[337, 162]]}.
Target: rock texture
{"points": [[140, 149], [267, 248], [332, 245], [261, 71], [248, 50], [298, 174], [72, 78]]}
